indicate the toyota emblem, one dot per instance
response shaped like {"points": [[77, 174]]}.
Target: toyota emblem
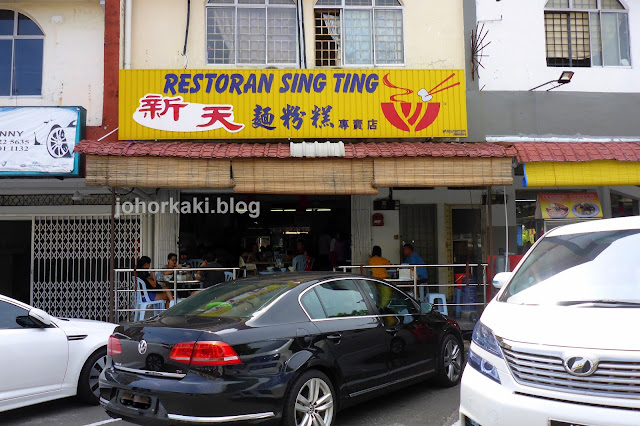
{"points": [[580, 366], [142, 347]]}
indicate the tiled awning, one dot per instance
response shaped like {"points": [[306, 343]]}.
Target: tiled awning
{"points": [[534, 152]]}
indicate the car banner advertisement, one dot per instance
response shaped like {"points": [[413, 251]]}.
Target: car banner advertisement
{"points": [[39, 140]]}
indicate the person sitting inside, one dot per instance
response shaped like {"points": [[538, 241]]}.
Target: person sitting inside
{"points": [[246, 262], [209, 277], [151, 283], [172, 263], [377, 259]]}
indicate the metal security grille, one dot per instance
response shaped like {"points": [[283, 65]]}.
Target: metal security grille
{"points": [[418, 227], [70, 259]]}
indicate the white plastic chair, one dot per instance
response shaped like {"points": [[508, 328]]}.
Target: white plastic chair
{"points": [[228, 276], [439, 300], [144, 302]]}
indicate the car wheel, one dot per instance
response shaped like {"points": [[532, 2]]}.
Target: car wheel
{"points": [[450, 361], [311, 401], [57, 144], [88, 389]]}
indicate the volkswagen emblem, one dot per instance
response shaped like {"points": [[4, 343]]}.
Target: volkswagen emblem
{"points": [[142, 347], [580, 366]]}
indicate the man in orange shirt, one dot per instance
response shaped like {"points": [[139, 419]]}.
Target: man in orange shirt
{"points": [[377, 259]]}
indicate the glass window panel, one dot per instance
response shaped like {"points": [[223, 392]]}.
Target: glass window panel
{"points": [[5, 67], [596, 46], [291, 2], [27, 27], [221, 35], [389, 301], [610, 39], [611, 5], [585, 4], [580, 40], [329, 3], [282, 28], [342, 299], [557, 39], [388, 3], [27, 69], [221, 1], [623, 35], [557, 4], [251, 2], [312, 305], [357, 3], [6, 22], [389, 43], [8, 315], [252, 36], [358, 49], [328, 45]]}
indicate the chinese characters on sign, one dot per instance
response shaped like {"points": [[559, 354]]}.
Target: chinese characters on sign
{"points": [[285, 103]]}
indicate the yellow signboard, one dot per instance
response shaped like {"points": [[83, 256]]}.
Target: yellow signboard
{"points": [[269, 104], [569, 206]]}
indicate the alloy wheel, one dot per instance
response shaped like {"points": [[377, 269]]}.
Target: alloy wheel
{"points": [[314, 404], [452, 360], [94, 375]]}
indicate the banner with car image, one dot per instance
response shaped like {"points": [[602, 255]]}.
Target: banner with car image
{"points": [[40, 140], [569, 206]]}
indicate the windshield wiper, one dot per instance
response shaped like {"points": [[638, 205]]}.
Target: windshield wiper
{"points": [[597, 302]]}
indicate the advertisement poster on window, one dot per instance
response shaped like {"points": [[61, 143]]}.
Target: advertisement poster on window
{"points": [[569, 206], [268, 104], [40, 140]]}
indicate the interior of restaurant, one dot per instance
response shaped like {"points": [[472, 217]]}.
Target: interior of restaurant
{"points": [[282, 223]]}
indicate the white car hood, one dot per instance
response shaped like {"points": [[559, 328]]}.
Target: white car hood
{"points": [[77, 326], [575, 327]]}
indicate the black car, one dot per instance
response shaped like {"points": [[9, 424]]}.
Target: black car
{"points": [[291, 348]]}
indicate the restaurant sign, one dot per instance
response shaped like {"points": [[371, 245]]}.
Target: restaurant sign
{"points": [[569, 206], [40, 140], [268, 104]]}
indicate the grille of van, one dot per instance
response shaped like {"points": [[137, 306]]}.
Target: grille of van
{"points": [[620, 379]]}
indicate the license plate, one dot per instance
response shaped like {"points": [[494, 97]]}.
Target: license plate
{"points": [[559, 423]]}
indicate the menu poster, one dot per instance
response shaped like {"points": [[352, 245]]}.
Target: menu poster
{"points": [[569, 205]]}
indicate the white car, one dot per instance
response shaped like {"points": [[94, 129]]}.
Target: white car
{"points": [[44, 358], [558, 345]]}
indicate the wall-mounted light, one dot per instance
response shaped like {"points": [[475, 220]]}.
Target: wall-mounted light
{"points": [[565, 78]]}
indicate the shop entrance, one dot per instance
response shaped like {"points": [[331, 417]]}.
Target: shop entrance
{"points": [[277, 226], [15, 249], [418, 227]]}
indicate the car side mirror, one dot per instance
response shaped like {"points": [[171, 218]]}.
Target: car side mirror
{"points": [[40, 316], [501, 279], [426, 308]]}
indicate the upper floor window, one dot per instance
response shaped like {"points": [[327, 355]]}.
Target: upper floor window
{"points": [[252, 32], [21, 45], [359, 32], [587, 33]]}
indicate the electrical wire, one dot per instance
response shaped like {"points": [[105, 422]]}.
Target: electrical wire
{"points": [[186, 34]]}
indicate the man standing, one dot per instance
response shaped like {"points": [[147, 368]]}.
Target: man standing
{"points": [[413, 258]]}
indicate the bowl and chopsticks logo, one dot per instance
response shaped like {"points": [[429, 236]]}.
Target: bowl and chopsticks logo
{"points": [[413, 116]]}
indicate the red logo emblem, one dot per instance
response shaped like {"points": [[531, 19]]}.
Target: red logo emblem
{"points": [[408, 116]]}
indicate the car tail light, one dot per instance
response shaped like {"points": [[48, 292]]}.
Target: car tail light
{"points": [[204, 353], [113, 346]]}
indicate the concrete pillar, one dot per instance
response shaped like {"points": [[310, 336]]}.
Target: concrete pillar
{"points": [[167, 229]]}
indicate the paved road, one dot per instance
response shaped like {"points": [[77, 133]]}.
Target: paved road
{"points": [[422, 404]]}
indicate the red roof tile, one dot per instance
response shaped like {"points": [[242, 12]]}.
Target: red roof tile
{"points": [[531, 152], [281, 150]]}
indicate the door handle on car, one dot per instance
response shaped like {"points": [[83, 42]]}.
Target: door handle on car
{"points": [[335, 337], [391, 330]]}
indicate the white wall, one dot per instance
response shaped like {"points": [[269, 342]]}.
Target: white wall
{"points": [[73, 55], [516, 57]]}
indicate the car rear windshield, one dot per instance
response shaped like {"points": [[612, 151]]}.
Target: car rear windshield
{"points": [[231, 299], [599, 266]]}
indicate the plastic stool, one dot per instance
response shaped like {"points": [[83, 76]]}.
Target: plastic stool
{"points": [[439, 300]]}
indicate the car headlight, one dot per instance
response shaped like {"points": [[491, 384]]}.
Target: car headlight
{"points": [[483, 366], [484, 337]]}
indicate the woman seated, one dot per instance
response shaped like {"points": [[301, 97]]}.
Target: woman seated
{"points": [[152, 284]]}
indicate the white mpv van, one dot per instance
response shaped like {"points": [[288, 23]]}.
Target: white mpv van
{"points": [[560, 343]]}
